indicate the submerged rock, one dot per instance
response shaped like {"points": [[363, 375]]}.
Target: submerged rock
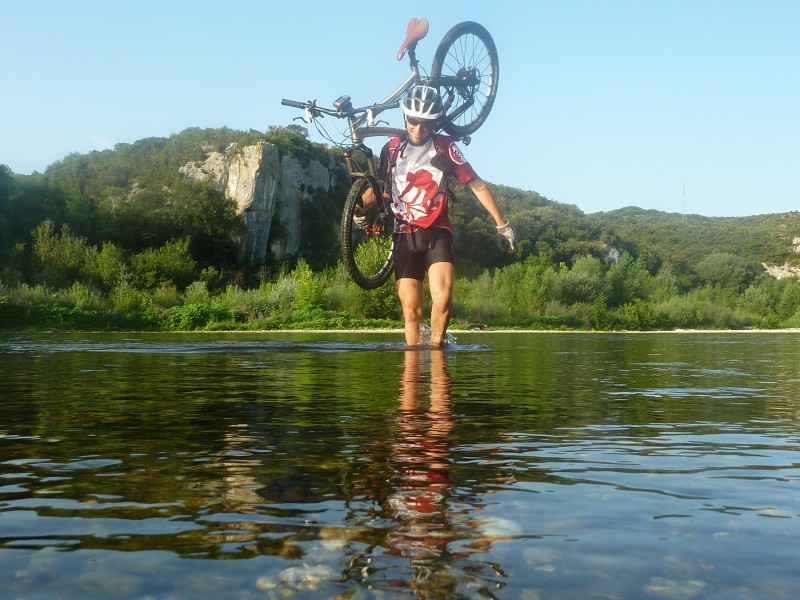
{"points": [[308, 577]]}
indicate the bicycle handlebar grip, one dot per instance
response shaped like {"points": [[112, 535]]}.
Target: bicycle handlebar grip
{"points": [[387, 106], [293, 103]]}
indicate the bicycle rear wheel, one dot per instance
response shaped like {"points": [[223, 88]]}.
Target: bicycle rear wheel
{"points": [[367, 251], [467, 64]]}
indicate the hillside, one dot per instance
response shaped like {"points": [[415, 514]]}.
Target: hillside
{"points": [[128, 196], [217, 228], [688, 238]]}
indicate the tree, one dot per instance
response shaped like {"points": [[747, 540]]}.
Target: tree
{"points": [[170, 263], [727, 270], [6, 187], [582, 283], [627, 280], [209, 218], [293, 139], [63, 257]]}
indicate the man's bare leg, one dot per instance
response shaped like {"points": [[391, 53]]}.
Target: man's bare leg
{"points": [[410, 293], [440, 282]]}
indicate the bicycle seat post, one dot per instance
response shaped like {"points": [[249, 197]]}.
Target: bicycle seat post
{"points": [[412, 55]]}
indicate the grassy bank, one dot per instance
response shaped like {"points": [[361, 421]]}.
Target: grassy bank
{"points": [[533, 295]]}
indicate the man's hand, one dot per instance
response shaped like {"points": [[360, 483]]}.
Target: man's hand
{"points": [[360, 216], [505, 239]]}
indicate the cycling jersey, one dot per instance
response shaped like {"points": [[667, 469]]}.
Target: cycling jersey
{"points": [[419, 189]]}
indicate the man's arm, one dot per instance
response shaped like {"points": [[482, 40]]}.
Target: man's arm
{"points": [[505, 235], [486, 198]]}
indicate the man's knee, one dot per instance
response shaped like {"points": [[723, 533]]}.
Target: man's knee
{"points": [[442, 300], [409, 292], [413, 313]]}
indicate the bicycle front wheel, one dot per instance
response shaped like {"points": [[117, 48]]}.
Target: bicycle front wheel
{"points": [[368, 245], [468, 71]]}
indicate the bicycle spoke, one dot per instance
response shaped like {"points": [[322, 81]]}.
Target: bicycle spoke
{"points": [[367, 250], [468, 55]]}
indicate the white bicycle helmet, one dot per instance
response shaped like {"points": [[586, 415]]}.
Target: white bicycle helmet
{"points": [[423, 102]]}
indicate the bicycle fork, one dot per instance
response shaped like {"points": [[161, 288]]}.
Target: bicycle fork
{"points": [[376, 226], [353, 168]]}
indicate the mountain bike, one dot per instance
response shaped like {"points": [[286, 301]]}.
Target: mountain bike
{"points": [[465, 70]]}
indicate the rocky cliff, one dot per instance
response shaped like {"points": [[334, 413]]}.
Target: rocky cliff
{"points": [[267, 188], [786, 269]]}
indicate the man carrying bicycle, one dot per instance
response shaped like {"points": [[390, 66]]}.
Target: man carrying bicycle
{"points": [[417, 168]]}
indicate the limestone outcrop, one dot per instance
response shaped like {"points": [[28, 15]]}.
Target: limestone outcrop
{"points": [[265, 186], [786, 269]]}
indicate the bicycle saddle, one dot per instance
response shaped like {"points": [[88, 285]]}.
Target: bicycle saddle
{"points": [[417, 29]]}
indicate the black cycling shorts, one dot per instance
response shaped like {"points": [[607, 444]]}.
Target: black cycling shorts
{"points": [[415, 252]]}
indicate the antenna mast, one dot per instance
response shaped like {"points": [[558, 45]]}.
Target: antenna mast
{"points": [[684, 203]]}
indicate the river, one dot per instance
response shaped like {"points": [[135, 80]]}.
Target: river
{"points": [[510, 465]]}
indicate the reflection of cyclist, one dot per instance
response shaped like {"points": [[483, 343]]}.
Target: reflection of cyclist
{"points": [[421, 457], [419, 167], [437, 530]]}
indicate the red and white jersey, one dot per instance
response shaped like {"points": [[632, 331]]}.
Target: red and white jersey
{"points": [[419, 190]]}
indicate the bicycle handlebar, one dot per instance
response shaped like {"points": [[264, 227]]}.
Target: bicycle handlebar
{"points": [[293, 103], [312, 106]]}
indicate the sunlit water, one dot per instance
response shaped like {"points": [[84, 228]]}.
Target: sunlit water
{"points": [[340, 465]]}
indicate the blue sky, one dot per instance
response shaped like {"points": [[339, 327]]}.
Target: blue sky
{"points": [[601, 104]]}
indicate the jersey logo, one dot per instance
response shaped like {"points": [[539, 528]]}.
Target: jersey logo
{"points": [[455, 155], [421, 188]]}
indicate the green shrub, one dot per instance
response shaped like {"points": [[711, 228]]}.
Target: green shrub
{"points": [[188, 317], [110, 264], [79, 296], [789, 302], [171, 263], [64, 257], [309, 294], [197, 293], [166, 296], [473, 299], [127, 299], [37, 294]]}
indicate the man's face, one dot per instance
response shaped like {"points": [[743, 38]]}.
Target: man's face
{"points": [[419, 130]]}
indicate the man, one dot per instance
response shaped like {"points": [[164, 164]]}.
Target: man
{"points": [[418, 169]]}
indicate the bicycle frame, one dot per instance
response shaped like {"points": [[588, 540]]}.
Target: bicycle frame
{"points": [[469, 57], [361, 121], [360, 126]]}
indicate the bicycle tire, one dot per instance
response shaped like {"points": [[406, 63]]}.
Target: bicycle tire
{"points": [[367, 252], [467, 50]]}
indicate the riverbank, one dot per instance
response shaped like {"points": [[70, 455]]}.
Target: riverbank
{"points": [[398, 330], [42, 314]]}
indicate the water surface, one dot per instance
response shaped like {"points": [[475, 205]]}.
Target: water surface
{"points": [[342, 465]]}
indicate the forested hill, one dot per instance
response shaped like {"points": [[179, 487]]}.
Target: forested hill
{"points": [[686, 240], [150, 235], [135, 197]]}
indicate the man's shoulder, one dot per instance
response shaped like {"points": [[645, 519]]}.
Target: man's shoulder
{"points": [[442, 141], [395, 141], [447, 145]]}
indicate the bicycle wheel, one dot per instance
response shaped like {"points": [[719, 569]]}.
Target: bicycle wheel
{"points": [[467, 66], [367, 251]]}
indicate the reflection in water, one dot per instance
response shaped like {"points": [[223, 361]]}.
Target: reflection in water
{"points": [[282, 466], [430, 548]]}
